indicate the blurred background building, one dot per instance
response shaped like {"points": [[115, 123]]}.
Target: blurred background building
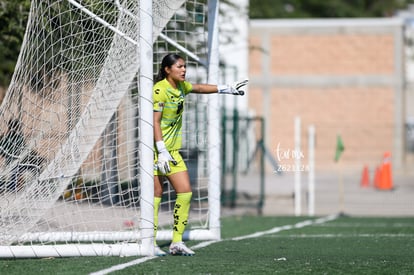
{"points": [[346, 77], [349, 77]]}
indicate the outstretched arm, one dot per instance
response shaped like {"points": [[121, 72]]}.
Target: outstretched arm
{"points": [[204, 89], [234, 89]]}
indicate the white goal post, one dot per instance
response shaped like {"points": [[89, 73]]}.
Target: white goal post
{"points": [[76, 140]]}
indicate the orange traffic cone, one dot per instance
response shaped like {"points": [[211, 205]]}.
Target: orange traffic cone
{"points": [[386, 175], [365, 177]]}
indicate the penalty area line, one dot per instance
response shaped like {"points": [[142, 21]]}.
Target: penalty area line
{"points": [[207, 243]]}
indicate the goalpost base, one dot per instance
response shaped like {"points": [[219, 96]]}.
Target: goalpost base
{"points": [[94, 250], [74, 250]]}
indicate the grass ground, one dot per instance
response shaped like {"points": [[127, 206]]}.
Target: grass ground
{"points": [[285, 245]]}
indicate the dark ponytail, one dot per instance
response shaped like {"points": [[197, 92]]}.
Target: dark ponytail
{"points": [[168, 60]]}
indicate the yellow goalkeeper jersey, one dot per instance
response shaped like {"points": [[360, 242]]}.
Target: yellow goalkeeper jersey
{"points": [[170, 102]]}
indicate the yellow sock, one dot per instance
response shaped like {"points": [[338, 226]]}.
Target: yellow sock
{"points": [[157, 202], [181, 210]]}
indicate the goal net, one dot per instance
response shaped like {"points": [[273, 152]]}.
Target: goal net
{"points": [[71, 138]]}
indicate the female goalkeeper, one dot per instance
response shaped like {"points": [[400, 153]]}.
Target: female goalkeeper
{"points": [[169, 93]]}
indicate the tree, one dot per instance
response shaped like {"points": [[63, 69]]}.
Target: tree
{"points": [[324, 9], [13, 20]]}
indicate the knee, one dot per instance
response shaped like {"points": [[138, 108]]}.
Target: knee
{"points": [[157, 191]]}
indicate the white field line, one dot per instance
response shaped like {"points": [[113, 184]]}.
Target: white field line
{"points": [[207, 243], [398, 235], [123, 266], [287, 227], [370, 225]]}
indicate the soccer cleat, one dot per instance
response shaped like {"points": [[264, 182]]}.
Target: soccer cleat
{"points": [[158, 251], [180, 249]]}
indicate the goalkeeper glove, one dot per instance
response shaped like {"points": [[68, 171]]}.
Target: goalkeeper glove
{"points": [[164, 158], [233, 89]]}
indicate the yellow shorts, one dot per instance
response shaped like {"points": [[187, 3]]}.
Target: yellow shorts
{"points": [[174, 168]]}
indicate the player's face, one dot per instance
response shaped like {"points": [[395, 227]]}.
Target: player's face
{"points": [[177, 71]]}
